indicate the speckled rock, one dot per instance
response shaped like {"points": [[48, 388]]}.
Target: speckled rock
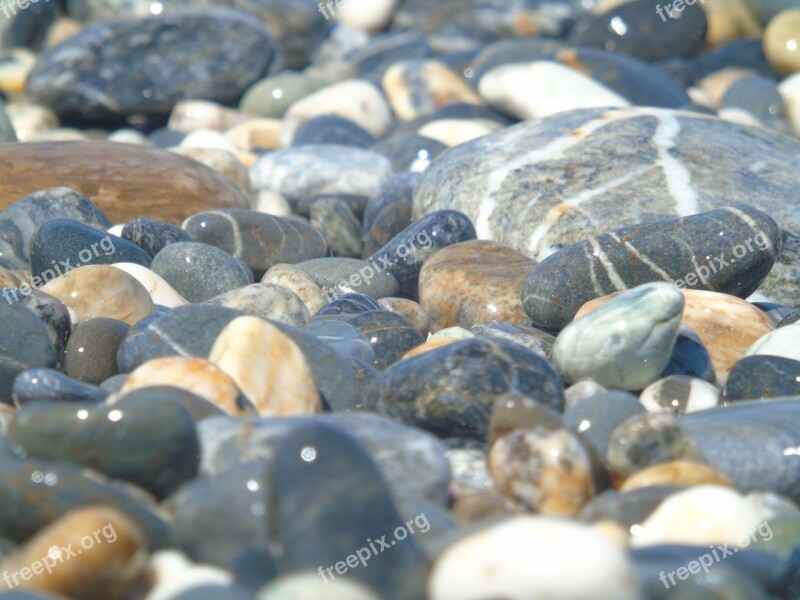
{"points": [[348, 304], [390, 335], [352, 275], [762, 376], [152, 236], [301, 283], [266, 300]]}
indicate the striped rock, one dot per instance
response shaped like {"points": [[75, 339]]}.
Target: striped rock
{"points": [[544, 184]]}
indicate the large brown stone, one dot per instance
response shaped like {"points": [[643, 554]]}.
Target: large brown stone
{"points": [[124, 180]]}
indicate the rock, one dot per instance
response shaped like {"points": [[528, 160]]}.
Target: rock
{"points": [[118, 178], [690, 357], [172, 574], [161, 293], [192, 115], [760, 101], [338, 224], [680, 394], [224, 160], [789, 90], [488, 563], [390, 335], [101, 291], [778, 342], [368, 16], [127, 85], [351, 275], [534, 339], [627, 509], [300, 172], [348, 304], [267, 301], [409, 151], [491, 179], [631, 256], [37, 386], [410, 310], [330, 129], [198, 271], [267, 366], [271, 97], [450, 390], [198, 407], [473, 282], [18, 323], [596, 347], [387, 224], [680, 473], [762, 376], [148, 441], [153, 236], [298, 584], [301, 283], [355, 100], [780, 42], [196, 375], [105, 567], [343, 338], [512, 412], [55, 316]]}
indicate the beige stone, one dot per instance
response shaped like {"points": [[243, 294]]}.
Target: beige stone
{"points": [[676, 472]]}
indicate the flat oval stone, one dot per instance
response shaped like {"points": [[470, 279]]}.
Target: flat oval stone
{"points": [[91, 354], [680, 394], [260, 240], [451, 390], [330, 129], [59, 488], [196, 375], [267, 301], [272, 96], [762, 376], [301, 283], [473, 282], [596, 347], [678, 472], [116, 78], [199, 271], [118, 178], [101, 291], [151, 442], [267, 366], [153, 236], [630, 256], [107, 568], [533, 200], [17, 324], [342, 337], [37, 386], [352, 275]]}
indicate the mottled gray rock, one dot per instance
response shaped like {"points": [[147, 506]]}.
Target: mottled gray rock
{"points": [[266, 300], [372, 281]]}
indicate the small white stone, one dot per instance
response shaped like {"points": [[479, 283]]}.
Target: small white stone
{"points": [[206, 138], [173, 574], [699, 516], [359, 101], [30, 119], [116, 229], [160, 291], [306, 586], [779, 342], [129, 136], [543, 88], [192, 115], [366, 15], [534, 557], [452, 132], [455, 333], [272, 203]]}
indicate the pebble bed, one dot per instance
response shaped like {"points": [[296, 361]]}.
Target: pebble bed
{"points": [[400, 300]]}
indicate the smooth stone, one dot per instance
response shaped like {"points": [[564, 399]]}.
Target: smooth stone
{"points": [[781, 42], [473, 282], [126, 86], [792, 317], [330, 129], [528, 557], [509, 51], [299, 172], [404, 255], [413, 461], [397, 189], [454, 132], [410, 310], [637, 29], [18, 324], [512, 411], [389, 222], [302, 585], [271, 97], [198, 271], [367, 15], [429, 345], [680, 394], [338, 224], [161, 293], [596, 347], [356, 100], [214, 592], [91, 353], [675, 473], [60, 245], [267, 301], [260, 240], [190, 115], [690, 357], [198, 407], [172, 573], [267, 366], [451, 390], [196, 375], [37, 386], [778, 342], [319, 456], [727, 325], [762, 376], [29, 120], [547, 471], [153, 236], [272, 203], [390, 335], [59, 488], [55, 316], [109, 568], [348, 304], [148, 441], [759, 97], [355, 202], [409, 151], [632, 256], [101, 291], [118, 179], [627, 509], [702, 515], [582, 390], [255, 134], [491, 180], [352, 276], [19, 221], [223, 157], [416, 87], [304, 285], [534, 339], [776, 312], [343, 338]]}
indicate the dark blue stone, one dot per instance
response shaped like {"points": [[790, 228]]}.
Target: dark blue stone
{"points": [[153, 236], [679, 70], [690, 357], [743, 53], [29, 27], [792, 317], [36, 386], [198, 407], [330, 129], [342, 337]]}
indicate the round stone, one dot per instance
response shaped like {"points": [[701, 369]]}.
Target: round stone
{"points": [[782, 42], [680, 394], [92, 350]]}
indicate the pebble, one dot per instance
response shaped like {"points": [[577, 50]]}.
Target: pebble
{"points": [[339, 225], [678, 472], [153, 236], [18, 323], [55, 316], [191, 115], [172, 574], [473, 282], [781, 42], [267, 366], [330, 129], [195, 375], [778, 342], [409, 151], [534, 339], [225, 161], [117, 178], [626, 343], [101, 291], [679, 393], [762, 376], [410, 310], [301, 585], [390, 335], [162, 293], [352, 276], [91, 353], [690, 357], [300, 282], [512, 411], [348, 304], [267, 301], [255, 134], [48, 385], [272, 96]]}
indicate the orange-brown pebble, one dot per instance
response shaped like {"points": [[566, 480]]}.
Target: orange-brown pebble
{"points": [[676, 472]]}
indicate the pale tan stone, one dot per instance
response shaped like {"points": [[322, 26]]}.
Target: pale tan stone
{"points": [[223, 162], [676, 472], [717, 83], [190, 115], [300, 282], [256, 133], [30, 119], [782, 42]]}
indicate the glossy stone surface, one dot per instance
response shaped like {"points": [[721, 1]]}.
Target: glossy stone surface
{"points": [[762, 376], [534, 339], [781, 39], [152, 236], [410, 310], [267, 301], [301, 283], [19, 323], [36, 386], [352, 275], [390, 335], [117, 178], [680, 394]]}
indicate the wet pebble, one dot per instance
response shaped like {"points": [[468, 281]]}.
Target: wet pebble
{"points": [[91, 354]]}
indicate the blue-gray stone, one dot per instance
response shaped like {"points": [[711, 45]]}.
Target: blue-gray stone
{"points": [[91, 354], [690, 357], [534, 339], [338, 224], [139, 66], [36, 386], [153, 236], [330, 129], [375, 57], [198, 407], [405, 149], [372, 281], [348, 304], [55, 316], [266, 300], [762, 376], [24, 344], [509, 52], [744, 53], [342, 337], [389, 222], [629, 509], [199, 271], [390, 334], [759, 97]]}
